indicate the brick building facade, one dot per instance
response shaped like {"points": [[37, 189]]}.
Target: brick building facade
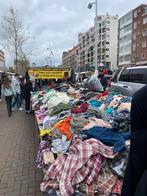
{"points": [[139, 46]]}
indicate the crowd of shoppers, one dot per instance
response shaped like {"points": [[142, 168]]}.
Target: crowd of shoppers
{"points": [[16, 90]]}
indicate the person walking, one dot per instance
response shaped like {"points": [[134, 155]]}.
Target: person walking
{"points": [[21, 90], [137, 163], [7, 92], [16, 89], [27, 95]]}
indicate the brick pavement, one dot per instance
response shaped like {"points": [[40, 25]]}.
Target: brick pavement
{"points": [[18, 146]]}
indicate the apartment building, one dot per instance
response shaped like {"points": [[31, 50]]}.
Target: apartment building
{"points": [[139, 46], [70, 58], [86, 49], [132, 41], [107, 34], [125, 39], [2, 60]]}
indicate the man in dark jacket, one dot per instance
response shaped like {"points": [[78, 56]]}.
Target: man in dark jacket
{"points": [[137, 163], [27, 95]]}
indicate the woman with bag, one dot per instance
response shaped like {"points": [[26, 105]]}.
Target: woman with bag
{"points": [[7, 92]]}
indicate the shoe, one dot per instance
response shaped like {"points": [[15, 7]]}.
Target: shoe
{"points": [[27, 112], [20, 109], [12, 109], [0, 99]]}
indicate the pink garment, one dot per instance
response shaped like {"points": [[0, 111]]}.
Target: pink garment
{"points": [[96, 122], [117, 187]]}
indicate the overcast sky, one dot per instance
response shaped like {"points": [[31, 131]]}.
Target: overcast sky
{"points": [[55, 24]]}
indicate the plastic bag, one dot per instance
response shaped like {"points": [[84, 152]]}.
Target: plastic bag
{"points": [[94, 83]]}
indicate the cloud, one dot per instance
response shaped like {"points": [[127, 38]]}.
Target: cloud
{"points": [[56, 24]]}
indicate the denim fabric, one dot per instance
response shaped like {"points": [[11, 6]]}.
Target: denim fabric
{"points": [[9, 102], [109, 137], [16, 101]]}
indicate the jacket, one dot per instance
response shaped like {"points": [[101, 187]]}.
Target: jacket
{"points": [[7, 91], [15, 85], [27, 89]]}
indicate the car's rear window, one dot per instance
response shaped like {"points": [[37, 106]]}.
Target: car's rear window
{"points": [[138, 76]]}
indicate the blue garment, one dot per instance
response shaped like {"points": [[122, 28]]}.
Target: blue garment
{"points": [[109, 110], [16, 101], [95, 103], [120, 120], [126, 99], [109, 137], [108, 100]]}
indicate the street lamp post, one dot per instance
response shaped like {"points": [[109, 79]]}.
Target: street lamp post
{"points": [[96, 37], [50, 56]]}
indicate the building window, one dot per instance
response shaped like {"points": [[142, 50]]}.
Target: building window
{"points": [[135, 13], [143, 44], [107, 42], [143, 56], [134, 47], [135, 25], [144, 33], [138, 21], [127, 58], [134, 36], [145, 20], [121, 59], [145, 10]]}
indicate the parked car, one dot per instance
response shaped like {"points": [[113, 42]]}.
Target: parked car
{"points": [[128, 80]]}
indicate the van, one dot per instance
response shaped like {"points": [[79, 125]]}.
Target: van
{"points": [[129, 80]]}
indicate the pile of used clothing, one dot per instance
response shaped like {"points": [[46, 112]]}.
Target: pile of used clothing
{"points": [[84, 142]]}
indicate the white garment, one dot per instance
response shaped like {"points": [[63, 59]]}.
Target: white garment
{"points": [[15, 85]]}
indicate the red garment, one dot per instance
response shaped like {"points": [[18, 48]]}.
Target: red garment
{"points": [[117, 187], [102, 95], [81, 109], [105, 71]]}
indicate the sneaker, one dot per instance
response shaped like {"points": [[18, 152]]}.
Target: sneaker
{"points": [[0, 99], [20, 109]]}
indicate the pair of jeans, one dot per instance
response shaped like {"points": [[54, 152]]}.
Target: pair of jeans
{"points": [[16, 101], [8, 100]]}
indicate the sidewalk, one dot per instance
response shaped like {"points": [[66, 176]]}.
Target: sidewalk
{"points": [[18, 145]]}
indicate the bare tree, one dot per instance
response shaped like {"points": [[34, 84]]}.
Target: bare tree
{"points": [[14, 35]]}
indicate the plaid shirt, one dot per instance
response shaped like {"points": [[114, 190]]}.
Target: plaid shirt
{"points": [[117, 187], [105, 181], [83, 163]]}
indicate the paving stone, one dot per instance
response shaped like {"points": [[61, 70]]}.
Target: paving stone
{"points": [[18, 149]]}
